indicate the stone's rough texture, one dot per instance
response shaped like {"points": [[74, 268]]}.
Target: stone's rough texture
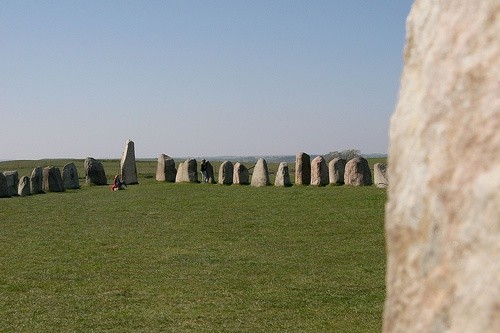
{"points": [[36, 180], [260, 175], [240, 174], [165, 169], [128, 168], [24, 188], [380, 175], [94, 172], [187, 172], [52, 180], [302, 169], [12, 178], [4, 190], [210, 173], [357, 172], [192, 170], [70, 176], [282, 175], [319, 172], [442, 217], [226, 173], [336, 169], [181, 175]]}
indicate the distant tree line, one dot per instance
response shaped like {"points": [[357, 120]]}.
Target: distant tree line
{"points": [[346, 154]]}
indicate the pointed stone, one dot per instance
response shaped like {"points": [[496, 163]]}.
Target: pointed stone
{"points": [[128, 167], [36, 180], [260, 176], [240, 174]]}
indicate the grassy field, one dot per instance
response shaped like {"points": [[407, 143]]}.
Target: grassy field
{"points": [[162, 257]]}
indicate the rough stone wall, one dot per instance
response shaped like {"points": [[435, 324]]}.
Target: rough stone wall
{"points": [[443, 210]]}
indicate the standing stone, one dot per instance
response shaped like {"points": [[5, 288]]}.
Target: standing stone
{"points": [[94, 172], [36, 180], [52, 180], [128, 168], [12, 178], [260, 175], [70, 176], [4, 190], [165, 169], [319, 172], [380, 175], [357, 172], [282, 175], [210, 173], [181, 175], [240, 174], [226, 173], [442, 218], [192, 170], [302, 169], [336, 169], [24, 188]]}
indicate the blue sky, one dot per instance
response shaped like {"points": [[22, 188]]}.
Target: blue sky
{"points": [[197, 78]]}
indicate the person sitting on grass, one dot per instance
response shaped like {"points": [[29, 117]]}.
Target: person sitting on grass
{"points": [[118, 184]]}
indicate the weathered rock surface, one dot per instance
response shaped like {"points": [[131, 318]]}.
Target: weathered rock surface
{"points": [[226, 173], [336, 169], [442, 217], [260, 176], [357, 172], [181, 175], [36, 180], [4, 190], [70, 176], [210, 173], [302, 169], [240, 174], [187, 172], [12, 178], [52, 180], [165, 169], [128, 167], [24, 188], [94, 172], [282, 175], [319, 172], [380, 175]]}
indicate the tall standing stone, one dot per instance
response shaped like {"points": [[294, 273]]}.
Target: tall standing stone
{"points": [[24, 188], [181, 175], [282, 175], [165, 169], [357, 172], [192, 170], [302, 169], [319, 172], [70, 176], [380, 175], [52, 180], [94, 172], [260, 176], [128, 167], [210, 173], [12, 178], [4, 190], [240, 174], [442, 218], [36, 180], [226, 173], [336, 169]]}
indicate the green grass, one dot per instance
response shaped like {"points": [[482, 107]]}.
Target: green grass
{"points": [[162, 257]]}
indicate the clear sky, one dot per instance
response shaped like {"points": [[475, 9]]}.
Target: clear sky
{"points": [[198, 78]]}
